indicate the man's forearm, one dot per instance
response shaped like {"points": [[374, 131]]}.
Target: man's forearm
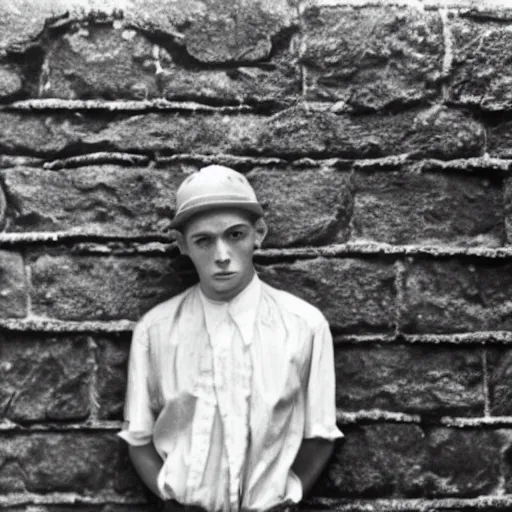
{"points": [[148, 464], [310, 461]]}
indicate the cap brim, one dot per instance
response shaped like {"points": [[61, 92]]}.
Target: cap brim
{"points": [[184, 216]]}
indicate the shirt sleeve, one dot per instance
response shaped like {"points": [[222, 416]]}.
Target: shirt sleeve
{"points": [[320, 394], [139, 420]]}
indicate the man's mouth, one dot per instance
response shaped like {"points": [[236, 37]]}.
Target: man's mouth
{"points": [[223, 275]]}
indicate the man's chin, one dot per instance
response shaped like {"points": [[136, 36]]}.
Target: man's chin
{"points": [[226, 289]]}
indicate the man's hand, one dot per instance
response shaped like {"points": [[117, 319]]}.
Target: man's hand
{"points": [[311, 460], [148, 464]]}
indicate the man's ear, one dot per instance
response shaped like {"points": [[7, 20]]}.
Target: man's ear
{"points": [[182, 243], [261, 232]]}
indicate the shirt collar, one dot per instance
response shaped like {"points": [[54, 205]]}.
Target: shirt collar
{"points": [[242, 309]]}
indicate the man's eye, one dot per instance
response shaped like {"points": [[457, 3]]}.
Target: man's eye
{"points": [[202, 241], [237, 235]]}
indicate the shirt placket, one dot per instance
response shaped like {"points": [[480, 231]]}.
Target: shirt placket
{"points": [[230, 379]]}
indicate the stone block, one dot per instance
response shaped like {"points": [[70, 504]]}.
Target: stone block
{"points": [[437, 133], [106, 199], [86, 463], [112, 364], [463, 463], [173, 133], [457, 296], [35, 134], [13, 289], [216, 31], [479, 75], [445, 134], [277, 82], [406, 461], [44, 378], [354, 295], [304, 207], [407, 207], [377, 461], [295, 132], [427, 380], [100, 61], [99, 288], [372, 58]]}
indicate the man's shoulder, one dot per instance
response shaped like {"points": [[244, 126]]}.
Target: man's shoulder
{"points": [[289, 303], [167, 310]]}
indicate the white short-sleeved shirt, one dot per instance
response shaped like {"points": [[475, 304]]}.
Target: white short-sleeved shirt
{"points": [[227, 392]]}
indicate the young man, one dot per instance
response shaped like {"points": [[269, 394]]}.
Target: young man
{"points": [[230, 399]]}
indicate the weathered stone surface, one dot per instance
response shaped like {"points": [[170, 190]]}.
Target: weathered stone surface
{"points": [[10, 82], [377, 461], [508, 208], [184, 71], [407, 207], [507, 457], [103, 288], [304, 207], [438, 380], [112, 360], [121, 60], [355, 295], [499, 140], [40, 134], [22, 21], [175, 133], [372, 58], [499, 365], [99, 199], [446, 134], [438, 132], [217, 31], [44, 378], [85, 463], [100, 61], [404, 461], [3, 206], [13, 289], [277, 82], [457, 296], [478, 74], [463, 463]]}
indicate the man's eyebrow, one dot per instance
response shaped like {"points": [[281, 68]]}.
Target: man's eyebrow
{"points": [[201, 233], [211, 233], [239, 225]]}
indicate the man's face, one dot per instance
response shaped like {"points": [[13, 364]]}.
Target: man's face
{"points": [[221, 243]]}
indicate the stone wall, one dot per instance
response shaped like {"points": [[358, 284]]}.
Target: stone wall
{"points": [[377, 135]]}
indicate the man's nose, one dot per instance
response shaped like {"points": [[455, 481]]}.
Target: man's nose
{"points": [[221, 252]]}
